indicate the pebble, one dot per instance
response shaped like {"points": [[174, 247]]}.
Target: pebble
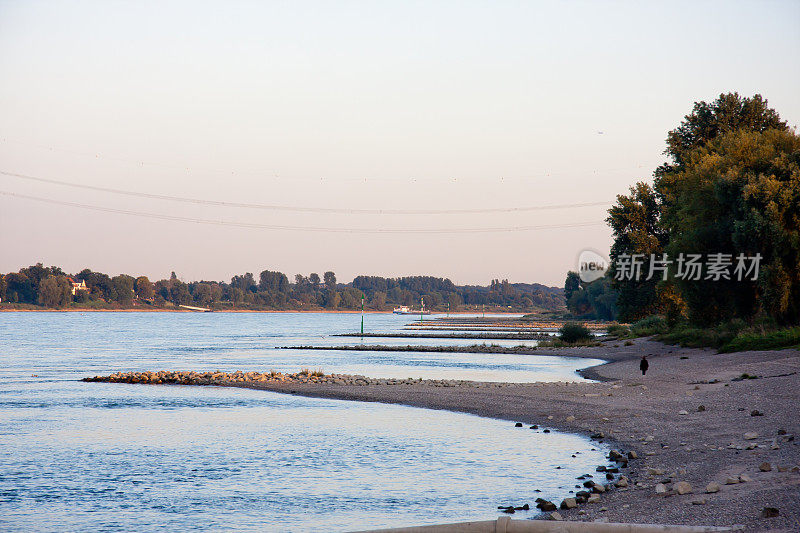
{"points": [[712, 487], [750, 435], [732, 480], [683, 412], [569, 503], [661, 488], [769, 512], [556, 516], [765, 467], [683, 487], [701, 501]]}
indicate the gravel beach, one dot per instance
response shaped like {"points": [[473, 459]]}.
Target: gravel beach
{"points": [[691, 419]]}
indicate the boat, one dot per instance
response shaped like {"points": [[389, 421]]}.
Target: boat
{"points": [[405, 310]]}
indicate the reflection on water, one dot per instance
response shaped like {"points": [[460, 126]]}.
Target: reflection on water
{"points": [[96, 456]]}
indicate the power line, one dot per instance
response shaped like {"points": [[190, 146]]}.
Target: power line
{"points": [[300, 209], [159, 216], [188, 168]]}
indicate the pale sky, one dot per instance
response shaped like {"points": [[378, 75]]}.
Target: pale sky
{"points": [[355, 105]]}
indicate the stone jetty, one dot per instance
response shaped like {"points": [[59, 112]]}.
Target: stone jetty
{"points": [[173, 377]]}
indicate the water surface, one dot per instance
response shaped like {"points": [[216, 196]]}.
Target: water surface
{"points": [[117, 457]]}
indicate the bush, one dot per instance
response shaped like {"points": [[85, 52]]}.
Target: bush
{"points": [[694, 337], [652, 325], [572, 332], [618, 330], [774, 340]]}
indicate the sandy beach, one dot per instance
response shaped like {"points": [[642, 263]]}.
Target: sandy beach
{"points": [[691, 418]]}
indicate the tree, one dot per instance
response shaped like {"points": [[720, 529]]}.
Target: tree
{"points": [[273, 281], [246, 283], [203, 294], [301, 282], [332, 300], [123, 288], [19, 288], [144, 288], [730, 187], [179, 293], [330, 280], [98, 283], [739, 194], [729, 112], [596, 300], [313, 278], [571, 284], [635, 222], [55, 292]]}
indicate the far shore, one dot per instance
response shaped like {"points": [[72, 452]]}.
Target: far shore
{"points": [[697, 416], [152, 310]]}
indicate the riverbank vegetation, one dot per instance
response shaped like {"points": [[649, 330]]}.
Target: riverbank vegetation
{"points": [[40, 287], [730, 189]]}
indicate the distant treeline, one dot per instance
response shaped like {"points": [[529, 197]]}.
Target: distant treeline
{"points": [[51, 287]]}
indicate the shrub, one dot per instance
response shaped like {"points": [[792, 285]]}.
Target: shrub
{"points": [[651, 325], [774, 340], [618, 330], [572, 332]]}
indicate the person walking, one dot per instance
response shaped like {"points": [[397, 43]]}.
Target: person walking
{"points": [[644, 365]]}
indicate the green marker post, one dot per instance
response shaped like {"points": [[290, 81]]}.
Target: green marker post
{"points": [[362, 316]]}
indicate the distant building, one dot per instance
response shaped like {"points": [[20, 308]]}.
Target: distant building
{"points": [[78, 286]]}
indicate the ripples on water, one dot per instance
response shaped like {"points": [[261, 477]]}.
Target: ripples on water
{"points": [[95, 456]]}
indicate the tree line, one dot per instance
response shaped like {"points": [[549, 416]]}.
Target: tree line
{"points": [[51, 287], [730, 188]]}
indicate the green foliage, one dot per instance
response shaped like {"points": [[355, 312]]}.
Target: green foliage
{"points": [[634, 220], [593, 301], [773, 340], [572, 332], [273, 291], [54, 291], [652, 325], [732, 186], [144, 288], [739, 194], [571, 285], [618, 330], [699, 337]]}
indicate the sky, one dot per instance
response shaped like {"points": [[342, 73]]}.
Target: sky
{"points": [[502, 108]]}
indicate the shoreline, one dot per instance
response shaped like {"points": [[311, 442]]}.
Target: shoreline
{"points": [[325, 311], [689, 419]]}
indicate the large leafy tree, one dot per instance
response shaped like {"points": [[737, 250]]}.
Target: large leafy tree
{"points": [[739, 194], [55, 291], [727, 186], [634, 220]]}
